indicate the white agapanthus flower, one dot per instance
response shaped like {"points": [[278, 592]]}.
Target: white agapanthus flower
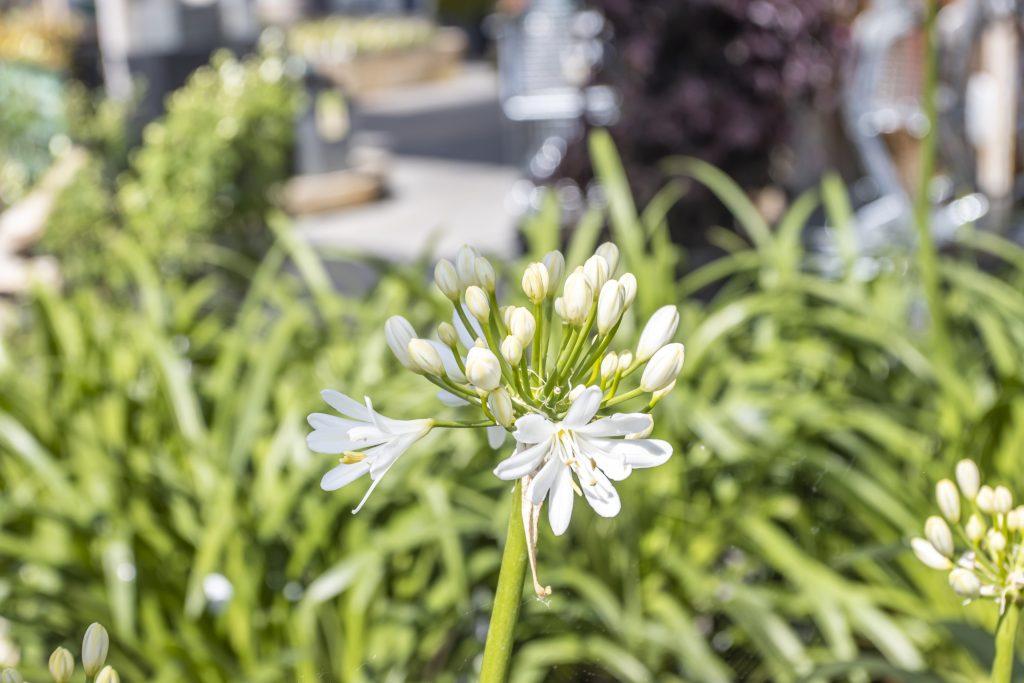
{"points": [[592, 450], [543, 371], [368, 442]]}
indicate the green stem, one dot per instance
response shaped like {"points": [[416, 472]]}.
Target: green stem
{"points": [[927, 257], [1006, 638], [508, 597]]}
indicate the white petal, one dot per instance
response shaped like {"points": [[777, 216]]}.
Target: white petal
{"points": [[451, 400], [342, 475], [331, 422], [522, 462], [345, 405], [496, 436], [451, 368], [584, 408], [541, 483], [383, 456], [643, 452], [533, 429], [599, 450], [601, 495], [619, 424], [330, 442], [560, 502]]}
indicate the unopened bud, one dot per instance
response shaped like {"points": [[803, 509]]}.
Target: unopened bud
{"points": [[500, 405], [465, 266], [399, 332], [610, 253], [506, 315], [447, 334], [986, 499], [663, 368], [555, 263], [995, 541], [522, 325], [560, 308], [94, 649], [968, 478], [662, 393], [608, 366], [948, 498], [425, 357], [477, 303], [596, 271], [610, 305], [965, 583], [108, 675], [536, 281], [11, 676], [62, 665], [625, 360], [483, 369], [1015, 519], [628, 282], [485, 273], [447, 279], [938, 534], [512, 350], [928, 555], [577, 298], [975, 529], [658, 331], [1002, 500]]}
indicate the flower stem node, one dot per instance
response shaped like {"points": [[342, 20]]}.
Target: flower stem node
{"points": [[483, 370], [968, 478], [477, 303], [658, 331], [95, 645], [948, 498], [447, 280], [425, 357], [536, 281], [663, 368], [62, 665]]}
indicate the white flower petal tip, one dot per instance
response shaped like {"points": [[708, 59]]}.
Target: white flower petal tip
{"points": [[369, 442]]}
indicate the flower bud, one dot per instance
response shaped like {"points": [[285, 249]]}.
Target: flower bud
{"points": [[399, 332], [484, 273], [108, 675], [968, 478], [1015, 519], [500, 405], [447, 279], [1002, 500], [975, 529], [663, 367], [596, 271], [536, 281], [928, 555], [522, 326], [465, 266], [512, 350], [995, 541], [938, 534], [477, 303], [948, 498], [965, 583], [11, 676], [575, 392], [506, 314], [610, 253], [986, 499], [447, 334], [625, 360], [560, 308], [62, 665], [555, 263], [662, 393], [94, 649], [628, 282], [577, 299], [608, 366], [610, 305], [658, 331], [425, 357], [483, 369]]}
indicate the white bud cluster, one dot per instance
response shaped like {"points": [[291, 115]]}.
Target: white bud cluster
{"points": [[992, 564]]}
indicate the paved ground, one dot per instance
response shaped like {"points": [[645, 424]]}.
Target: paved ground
{"points": [[449, 178]]}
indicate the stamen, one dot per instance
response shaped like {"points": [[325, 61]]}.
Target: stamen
{"points": [[352, 457]]}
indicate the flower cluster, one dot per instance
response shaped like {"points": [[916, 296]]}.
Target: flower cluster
{"points": [[95, 646], [544, 372], [987, 523]]}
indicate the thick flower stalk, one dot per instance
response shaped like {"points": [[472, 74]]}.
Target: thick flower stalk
{"points": [[543, 370], [978, 539]]}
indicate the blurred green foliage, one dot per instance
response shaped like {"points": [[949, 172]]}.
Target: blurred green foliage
{"points": [[148, 446]]}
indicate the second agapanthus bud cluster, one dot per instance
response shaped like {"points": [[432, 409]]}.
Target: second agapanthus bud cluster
{"points": [[977, 538]]}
